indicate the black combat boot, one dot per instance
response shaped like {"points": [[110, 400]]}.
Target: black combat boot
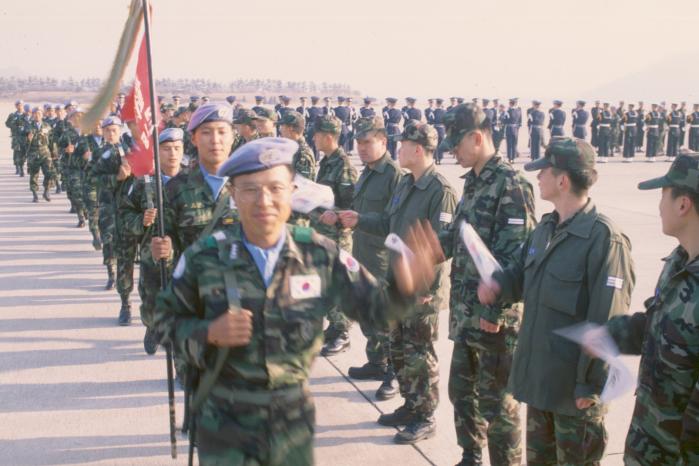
{"points": [[368, 371], [400, 417], [16, 169], [125, 313], [81, 221], [150, 342], [58, 188], [35, 197], [421, 428], [21, 170], [471, 458], [389, 385], [110, 278], [47, 196], [336, 345]]}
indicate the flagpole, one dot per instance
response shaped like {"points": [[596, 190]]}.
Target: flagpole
{"points": [[161, 223]]}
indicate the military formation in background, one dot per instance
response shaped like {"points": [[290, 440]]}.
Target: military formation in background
{"points": [[248, 293]]}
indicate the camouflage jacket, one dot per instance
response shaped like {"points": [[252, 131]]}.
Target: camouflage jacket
{"points": [[189, 207], [578, 270], [57, 148], [13, 122], [304, 160], [70, 136], [336, 171], [87, 143], [373, 191], [431, 197], [39, 146], [311, 276], [499, 204], [105, 170], [665, 424]]}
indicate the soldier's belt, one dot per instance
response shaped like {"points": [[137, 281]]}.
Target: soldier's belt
{"points": [[694, 126], [260, 397], [630, 125], [652, 126], [603, 125], [673, 126], [557, 126]]}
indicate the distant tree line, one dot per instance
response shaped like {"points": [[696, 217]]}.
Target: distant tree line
{"points": [[15, 86]]}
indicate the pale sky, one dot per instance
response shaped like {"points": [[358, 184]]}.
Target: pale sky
{"points": [[525, 48]]}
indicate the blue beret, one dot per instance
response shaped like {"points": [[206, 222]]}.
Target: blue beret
{"points": [[230, 99], [19, 102], [170, 134], [536, 102], [259, 154], [36, 109], [557, 102], [259, 97], [193, 98], [47, 106], [410, 99], [111, 120], [210, 112], [58, 107], [175, 96], [27, 107]]}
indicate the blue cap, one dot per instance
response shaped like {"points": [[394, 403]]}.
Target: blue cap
{"points": [[557, 102], [36, 109], [27, 107], [230, 99], [210, 112], [19, 102], [536, 102], [194, 98], [47, 106], [259, 154], [259, 97], [170, 134], [111, 120]]}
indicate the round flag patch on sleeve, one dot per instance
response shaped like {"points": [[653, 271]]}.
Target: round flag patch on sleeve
{"points": [[349, 261]]}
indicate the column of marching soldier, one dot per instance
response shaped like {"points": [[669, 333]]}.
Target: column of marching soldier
{"points": [[227, 194]]}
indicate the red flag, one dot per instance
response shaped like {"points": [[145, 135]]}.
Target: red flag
{"points": [[137, 109]]}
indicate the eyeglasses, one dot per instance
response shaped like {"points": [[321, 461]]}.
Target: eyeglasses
{"points": [[251, 193]]}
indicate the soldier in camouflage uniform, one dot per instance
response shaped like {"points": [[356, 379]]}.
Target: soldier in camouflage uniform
{"points": [[138, 213], [89, 147], [246, 131], [12, 122], [113, 175], [58, 156], [373, 191], [665, 424], [37, 135], [195, 201], [292, 125], [335, 170], [575, 266], [499, 203], [422, 195], [74, 164], [247, 310]]}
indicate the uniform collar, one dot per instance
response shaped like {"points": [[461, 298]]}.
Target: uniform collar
{"points": [[289, 249], [581, 223], [487, 171], [679, 257], [380, 165], [426, 178]]}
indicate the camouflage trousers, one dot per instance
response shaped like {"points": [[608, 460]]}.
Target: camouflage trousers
{"points": [[266, 427], [74, 191], [337, 319], [36, 163], [126, 251], [18, 157], [60, 169], [89, 198], [149, 283], [415, 359], [377, 345], [483, 409], [557, 439], [107, 226]]}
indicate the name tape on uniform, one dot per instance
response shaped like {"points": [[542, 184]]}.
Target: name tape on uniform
{"points": [[445, 217], [615, 282], [515, 221]]}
